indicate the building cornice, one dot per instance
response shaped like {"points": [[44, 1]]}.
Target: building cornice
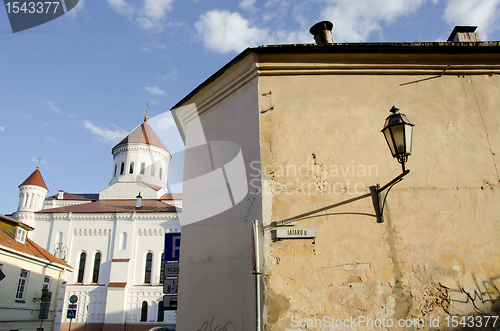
{"points": [[33, 259]]}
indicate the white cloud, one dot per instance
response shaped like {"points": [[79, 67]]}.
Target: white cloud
{"points": [[39, 161], [155, 45], [247, 4], [355, 20], [223, 31], [73, 13], [2, 128], [105, 134], [482, 13], [149, 16], [53, 107], [155, 90]]}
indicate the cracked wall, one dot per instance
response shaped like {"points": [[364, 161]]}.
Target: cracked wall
{"points": [[436, 254]]}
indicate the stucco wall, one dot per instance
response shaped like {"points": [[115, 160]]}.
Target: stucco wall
{"points": [[436, 254]]}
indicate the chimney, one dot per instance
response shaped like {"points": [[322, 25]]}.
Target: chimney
{"points": [[464, 34], [322, 32], [60, 196], [138, 204]]}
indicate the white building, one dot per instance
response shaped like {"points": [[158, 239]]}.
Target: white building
{"points": [[115, 239]]}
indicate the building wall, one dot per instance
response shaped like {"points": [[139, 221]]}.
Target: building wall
{"points": [[436, 253], [24, 315], [216, 285]]}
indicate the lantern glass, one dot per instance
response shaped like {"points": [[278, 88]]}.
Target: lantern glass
{"points": [[398, 131], [408, 138]]}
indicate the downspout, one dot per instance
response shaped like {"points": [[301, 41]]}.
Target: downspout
{"points": [[257, 274]]}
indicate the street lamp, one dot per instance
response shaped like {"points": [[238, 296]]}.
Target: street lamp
{"points": [[398, 131]]}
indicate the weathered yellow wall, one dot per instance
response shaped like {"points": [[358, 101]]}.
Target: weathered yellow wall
{"points": [[437, 253]]}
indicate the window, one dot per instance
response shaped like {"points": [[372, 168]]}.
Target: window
{"points": [[22, 285], [162, 268], [152, 170], [122, 168], [147, 273], [47, 281], [131, 168], [123, 240], [81, 267], [116, 169], [144, 311], [160, 311], [143, 168], [97, 265], [21, 235], [159, 175]]}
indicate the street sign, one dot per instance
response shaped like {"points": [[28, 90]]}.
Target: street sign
{"points": [[170, 285], [2, 275], [169, 302], [295, 233], [73, 299], [72, 306], [172, 246], [71, 313], [171, 269]]}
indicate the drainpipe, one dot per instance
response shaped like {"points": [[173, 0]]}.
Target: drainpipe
{"points": [[257, 274]]}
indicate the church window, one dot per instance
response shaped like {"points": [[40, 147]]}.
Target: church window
{"points": [[152, 170], [147, 271], [116, 169], [131, 168], [122, 169], [143, 168], [97, 266], [160, 172], [144, 311], [123, 240], [81, 267], [160, 311], [162, 267]]}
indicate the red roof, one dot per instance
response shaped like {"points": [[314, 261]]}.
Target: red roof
{"points": [[115, 206], [143, 134], [8, 232], [35, 179], [171, 196]]}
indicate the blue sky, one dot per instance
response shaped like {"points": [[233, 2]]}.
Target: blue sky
{"points": [[72, 88]]}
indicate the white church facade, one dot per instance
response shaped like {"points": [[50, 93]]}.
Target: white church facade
{"points": [[114, 240]]}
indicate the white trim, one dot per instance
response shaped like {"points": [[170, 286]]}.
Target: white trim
{"points": [[31, 258]]}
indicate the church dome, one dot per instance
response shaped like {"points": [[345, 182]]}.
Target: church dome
{"points": [[143, 134], [35, 179], [32, 192]]}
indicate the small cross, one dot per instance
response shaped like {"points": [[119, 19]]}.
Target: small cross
{"points": [[39, 161], [147, 108]]}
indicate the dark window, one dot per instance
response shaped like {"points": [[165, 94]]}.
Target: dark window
{"points": [[152, 170], [131, 169], [116, 169], [144, 312], [143, 168], [81, 267], [159, 175], [160, 311], [147, 273], [97, 266], [162, 268], [122, 168]]}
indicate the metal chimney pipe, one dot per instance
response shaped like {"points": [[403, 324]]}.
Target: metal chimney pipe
{"points": [[322, 32]]}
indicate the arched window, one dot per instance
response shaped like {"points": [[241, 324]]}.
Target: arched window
{"points": [[152, 170], [97, 266], [159, 175], [144, 311], [160, 311], [131, 168], [81, 267], [122, 168], [143, 168], [123, 240], [116, 169], [59, 239], [147, 271], [162, 268]]}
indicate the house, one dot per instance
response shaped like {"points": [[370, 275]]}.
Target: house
{"points": [[114, 238], [307, 121], [32, 281]]}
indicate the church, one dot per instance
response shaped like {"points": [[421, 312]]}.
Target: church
{"points": [[114, 240]]}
